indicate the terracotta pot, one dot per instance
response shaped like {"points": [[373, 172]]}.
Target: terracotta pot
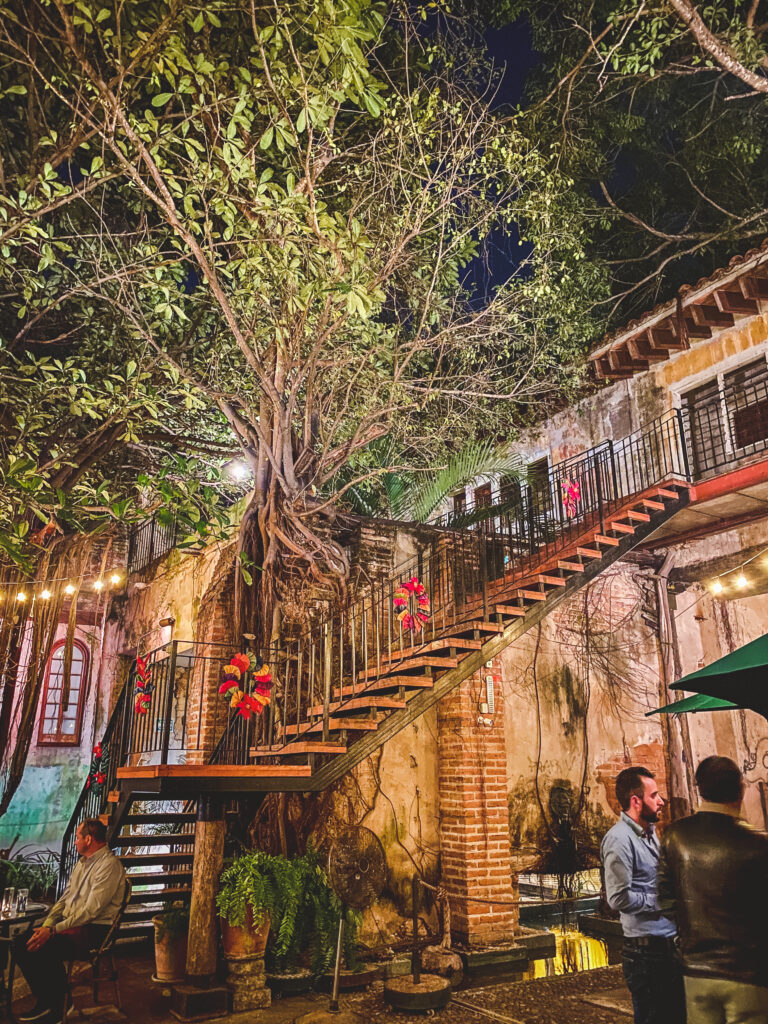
{"points": [[246, 942], [170, 955]]}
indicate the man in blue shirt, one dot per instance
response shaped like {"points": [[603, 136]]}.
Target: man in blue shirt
{"points": [[630, 854]]}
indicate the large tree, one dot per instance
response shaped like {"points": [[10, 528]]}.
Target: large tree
{"points": [[277, 206]]}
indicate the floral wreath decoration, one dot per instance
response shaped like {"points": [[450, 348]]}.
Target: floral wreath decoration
{"points": [[97, 772], [571, 497], [244, 703], [401, 600], [144, 687]]}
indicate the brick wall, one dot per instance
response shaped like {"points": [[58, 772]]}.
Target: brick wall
{"points": [[474, 817], [207, 713]]}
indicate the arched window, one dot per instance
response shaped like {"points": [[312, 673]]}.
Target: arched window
{"points": [[62, 715]]}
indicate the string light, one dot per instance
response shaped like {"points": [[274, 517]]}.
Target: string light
{"points": [[717, 587], [44, 588], [741, 581]]}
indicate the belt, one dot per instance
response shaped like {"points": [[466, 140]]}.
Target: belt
{"points": [[657, 943]]}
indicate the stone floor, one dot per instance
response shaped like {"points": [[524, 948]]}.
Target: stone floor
{"points": [[591, 997]]}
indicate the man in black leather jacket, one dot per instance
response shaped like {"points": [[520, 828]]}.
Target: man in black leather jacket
{"points": [[713, 881]]}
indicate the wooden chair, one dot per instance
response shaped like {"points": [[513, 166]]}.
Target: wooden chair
{"points": [[104, 953]]}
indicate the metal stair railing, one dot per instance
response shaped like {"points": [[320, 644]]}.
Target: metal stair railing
{"points": [[467, 566], [470, 561], [93, 800]]}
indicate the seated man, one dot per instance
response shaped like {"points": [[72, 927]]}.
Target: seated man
{"points": [[77, 923]]}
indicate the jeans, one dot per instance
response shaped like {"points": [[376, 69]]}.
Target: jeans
{"points": [[44, 968], [719, 1001], [655, 982]]}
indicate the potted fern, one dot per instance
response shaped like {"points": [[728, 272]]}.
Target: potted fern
{"points": [[303, 939], [171, 930], [246, 902]]}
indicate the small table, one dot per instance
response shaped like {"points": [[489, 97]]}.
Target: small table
{"points": [[33, 912]]}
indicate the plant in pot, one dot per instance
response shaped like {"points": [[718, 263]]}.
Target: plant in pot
{"points": [[171, 930], [303, 940], [246, 903]]}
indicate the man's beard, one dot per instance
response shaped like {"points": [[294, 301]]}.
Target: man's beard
{"points": [[648, 815]]}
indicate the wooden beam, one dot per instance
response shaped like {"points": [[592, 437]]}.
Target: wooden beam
{"points": [[711, 316], [754, 286], [732, 301], [619, 359], [697, 330], [664, 338], [641, 348]]}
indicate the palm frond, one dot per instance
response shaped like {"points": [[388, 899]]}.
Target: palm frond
{"points": [[477, 462]]}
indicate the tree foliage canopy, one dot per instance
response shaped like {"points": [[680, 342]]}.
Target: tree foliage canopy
{"points": [[269, 212], [660, 125]]}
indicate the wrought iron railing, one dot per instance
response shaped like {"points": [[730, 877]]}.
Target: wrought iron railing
{"points": [[93, 799], [468, 565]]}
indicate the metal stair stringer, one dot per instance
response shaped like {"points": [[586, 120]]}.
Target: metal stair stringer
{"points": [[475, 660]]}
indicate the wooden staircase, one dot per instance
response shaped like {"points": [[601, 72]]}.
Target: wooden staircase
{"points": [[366, 709], [357, 678]]}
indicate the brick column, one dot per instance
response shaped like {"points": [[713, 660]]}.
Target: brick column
{"points": [[474, 815], [207, 714]]}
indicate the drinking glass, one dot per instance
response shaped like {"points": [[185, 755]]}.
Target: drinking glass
{"points": [[9, 903], [21, 901]]}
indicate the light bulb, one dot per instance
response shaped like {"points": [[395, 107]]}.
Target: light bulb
{"points": [[98, 585], [21, 596], [717, 587], [45, 594], [114, 579], [239, 470], [741, 580], [69, 589]]}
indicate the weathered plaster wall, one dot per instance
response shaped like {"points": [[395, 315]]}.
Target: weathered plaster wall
{"points": [[576, 693], [55, 774]]}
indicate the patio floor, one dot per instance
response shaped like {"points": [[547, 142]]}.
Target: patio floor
{"points": [[591, 997]]}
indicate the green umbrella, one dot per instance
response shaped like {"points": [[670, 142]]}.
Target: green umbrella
{"points": [[698, 702], [740, 678]]}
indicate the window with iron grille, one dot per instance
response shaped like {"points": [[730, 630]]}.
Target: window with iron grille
{"points": [[62, 717], [727, 418], [746, 396]]}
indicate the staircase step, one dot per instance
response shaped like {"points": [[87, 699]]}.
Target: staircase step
{"points": [[131, 860], [434, 646], [531, 595], [311, 747], [334, 725], [608, 541], [589, 553], [510, 609], [621, 527], [162, 818], [159, 895], [664, 492], [570, 566], [386, 683], [546, 580], [656, 506], [158, 878], [359, 703], [403, 666], [162, 839], [639, 517]]}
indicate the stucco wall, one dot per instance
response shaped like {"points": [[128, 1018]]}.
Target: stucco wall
{"points": [[55, 774]]}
